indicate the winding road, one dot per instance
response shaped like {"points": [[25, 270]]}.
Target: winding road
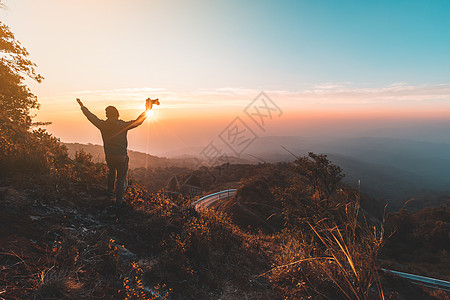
{"points": [[206, 201]]}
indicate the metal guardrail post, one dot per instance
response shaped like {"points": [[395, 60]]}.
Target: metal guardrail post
{"points": [[426, 281], [218, 194]]}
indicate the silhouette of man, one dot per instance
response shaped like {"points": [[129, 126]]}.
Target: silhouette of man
{"points": [[114, 135]]}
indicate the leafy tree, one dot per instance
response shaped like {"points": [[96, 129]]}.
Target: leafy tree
{"points": [[16, 99], [21, 149], [314, 192], [323, 176]]}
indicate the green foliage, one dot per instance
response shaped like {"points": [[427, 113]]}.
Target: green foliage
{"points": [[35, 152], [195, 246], [322, 176], [16, 100], [15, 57], [313, 192], [21, 150], [418, 240]]}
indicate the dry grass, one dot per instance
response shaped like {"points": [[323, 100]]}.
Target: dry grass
{"points": [[330, 261]]}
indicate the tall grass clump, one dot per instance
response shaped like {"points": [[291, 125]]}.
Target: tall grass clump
{"points": [[327, 249]]}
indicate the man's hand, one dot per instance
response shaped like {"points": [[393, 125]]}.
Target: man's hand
{"points": [[148, 104], [79, 102]]}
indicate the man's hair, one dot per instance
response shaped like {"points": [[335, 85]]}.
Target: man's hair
{"points": [[112, 112]]}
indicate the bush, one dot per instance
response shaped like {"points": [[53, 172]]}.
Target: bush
{"points": [[36, 152]]}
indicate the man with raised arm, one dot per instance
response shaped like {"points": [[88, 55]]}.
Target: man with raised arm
{"points": [[114, 135]]}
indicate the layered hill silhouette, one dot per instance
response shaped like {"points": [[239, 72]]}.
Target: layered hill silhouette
{"points": [[145, 160], [396, 170]]}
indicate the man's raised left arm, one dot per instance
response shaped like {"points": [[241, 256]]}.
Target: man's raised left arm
{"points": [[139, 119], [90, 116]]}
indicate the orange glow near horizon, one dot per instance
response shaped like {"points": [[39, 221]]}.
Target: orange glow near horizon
{"points": [[194, 118], [176, 128]]}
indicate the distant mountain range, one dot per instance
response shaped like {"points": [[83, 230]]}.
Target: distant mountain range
{"points": [[140, 159], [389, 168]]}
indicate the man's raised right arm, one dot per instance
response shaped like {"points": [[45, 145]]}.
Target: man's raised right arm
{"points": [[90, 116]]}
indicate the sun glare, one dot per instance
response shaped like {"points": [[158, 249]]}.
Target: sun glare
{"points": [[149, 113]]}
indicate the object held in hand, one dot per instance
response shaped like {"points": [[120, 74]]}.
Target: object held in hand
{"points": [[149, 103]]}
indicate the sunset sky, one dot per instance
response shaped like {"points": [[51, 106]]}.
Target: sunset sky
{"points": [[353, 65]]}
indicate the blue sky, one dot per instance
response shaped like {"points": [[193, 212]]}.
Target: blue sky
{"points": [[379, 42], [251, 44]]}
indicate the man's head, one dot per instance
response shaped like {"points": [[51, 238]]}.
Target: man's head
{"points": [[112, 112]]}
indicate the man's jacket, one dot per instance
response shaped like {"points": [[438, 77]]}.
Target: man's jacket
{"points": [[114, 131]]}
